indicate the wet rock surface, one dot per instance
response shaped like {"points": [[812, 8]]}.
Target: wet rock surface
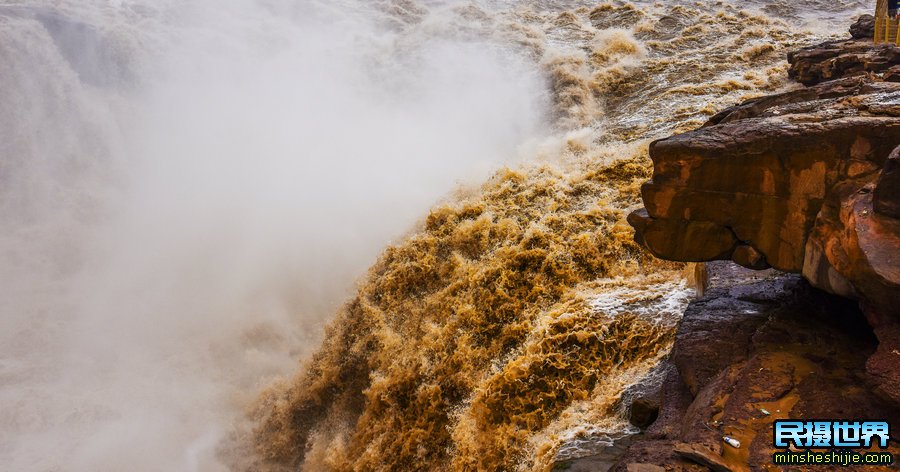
{"points": [[758, 173], [863, 27], [758, 341], [644, 411], [845, 58], [803, 181], [604, 459], [803, 188], [641, 401], [886, 197]]}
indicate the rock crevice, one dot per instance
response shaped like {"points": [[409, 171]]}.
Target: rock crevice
{"points": [[758, 346]]}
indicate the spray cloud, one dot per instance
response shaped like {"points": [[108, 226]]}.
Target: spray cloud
{"points": [[187, 189]]}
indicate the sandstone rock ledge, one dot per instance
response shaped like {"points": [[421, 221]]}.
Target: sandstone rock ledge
{"points": [[807, 181], [855, 57], [757, 341], [770, 183], [803, 188]]}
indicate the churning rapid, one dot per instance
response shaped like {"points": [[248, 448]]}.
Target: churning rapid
{"points": [[189, 189]]}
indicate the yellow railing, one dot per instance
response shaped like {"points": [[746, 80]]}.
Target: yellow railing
{"points": [[886, 30]]}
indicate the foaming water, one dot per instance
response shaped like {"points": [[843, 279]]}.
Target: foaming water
{"points": [[501, 334], [189, 188], [188, 191]]}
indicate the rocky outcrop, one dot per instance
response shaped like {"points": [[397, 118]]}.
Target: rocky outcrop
{"points": [[788, 181], [863, 27], [886, 198], [806, 182], [854, 250], [758, 346], [839, 59]]}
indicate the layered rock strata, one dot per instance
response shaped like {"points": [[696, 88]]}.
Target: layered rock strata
{"points": [[804, 181], [759, 346], [803, 188]]}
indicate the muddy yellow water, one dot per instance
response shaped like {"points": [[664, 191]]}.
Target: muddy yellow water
{"points": [[510, 319]]}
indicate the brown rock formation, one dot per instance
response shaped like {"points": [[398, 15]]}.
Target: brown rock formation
{"points": [[702, 456], [799, 181], [839, 59], [759, 340], [887, 191], [807, 181], [863, 28], [763, 169]]}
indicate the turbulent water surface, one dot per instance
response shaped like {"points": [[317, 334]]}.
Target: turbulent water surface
{"points": [[190, 189]]}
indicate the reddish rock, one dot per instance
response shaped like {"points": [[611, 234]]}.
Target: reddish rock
{"points": [[698, 240], [853, 250], [759, 340], [750, 258], [837, 59], [892, 74], [758, 174], [644, 468], [644, 411], [702, 456], [806, 181], [887, 191], [884, 365]]}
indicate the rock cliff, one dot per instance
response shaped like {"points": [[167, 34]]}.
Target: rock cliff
{"points": [[803, 188], [771, 182], [758, 346]]}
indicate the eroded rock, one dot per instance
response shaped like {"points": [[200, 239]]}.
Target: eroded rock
{"points": [[763, 184], [702, 456], [806, 182], [641, 401], [759, 340], [863, 27], [750, 185], [838, 59], [887, 191]]}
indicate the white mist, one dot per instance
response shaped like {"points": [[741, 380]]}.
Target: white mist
{"points": [[188, 190]]}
